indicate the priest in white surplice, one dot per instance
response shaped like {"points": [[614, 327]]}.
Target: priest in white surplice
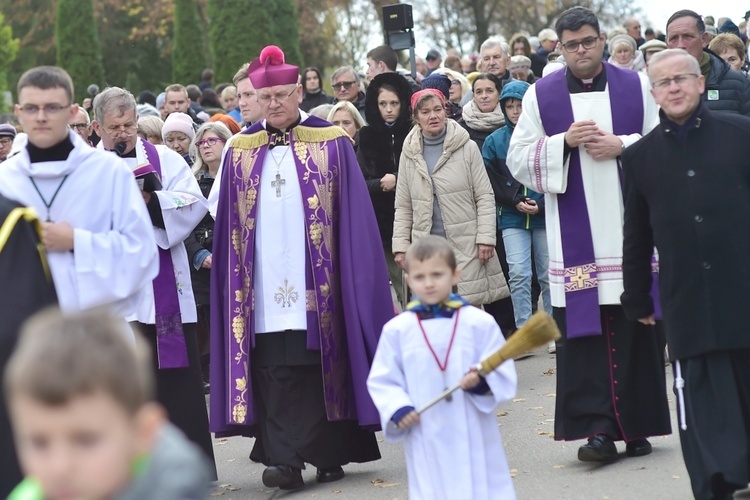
{"points": [[166, 313], [574, 126], [95, 226]]}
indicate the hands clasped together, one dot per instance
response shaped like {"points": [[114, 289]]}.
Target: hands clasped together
{"points": [[599, 144]]}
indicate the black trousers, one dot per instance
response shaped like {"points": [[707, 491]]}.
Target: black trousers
{"points": [[180, 391], [292, 421]]}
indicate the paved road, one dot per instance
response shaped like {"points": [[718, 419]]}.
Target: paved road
{"points": [[542, 468]]}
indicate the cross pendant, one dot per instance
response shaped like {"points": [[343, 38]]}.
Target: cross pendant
{"points": [[277, 184]]}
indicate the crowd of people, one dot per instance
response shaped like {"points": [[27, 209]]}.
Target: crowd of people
{"points": [[253, 260]]}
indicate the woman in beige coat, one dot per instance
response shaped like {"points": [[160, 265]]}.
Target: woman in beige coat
{"points": [[443, 189]]}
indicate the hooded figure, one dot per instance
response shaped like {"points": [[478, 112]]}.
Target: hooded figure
{"points": [[379, 152]]}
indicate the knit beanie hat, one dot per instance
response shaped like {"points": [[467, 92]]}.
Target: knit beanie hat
{"points": [[178, 122], [7, 130], [438, 81]]}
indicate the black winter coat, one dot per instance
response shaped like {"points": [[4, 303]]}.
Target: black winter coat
{"points": [[690, 198], [727, 89], [310, 101], [201, 238], [380, 148]]}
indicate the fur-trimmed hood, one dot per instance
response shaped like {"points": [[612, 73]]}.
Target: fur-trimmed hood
{"points": [[372, 113]]}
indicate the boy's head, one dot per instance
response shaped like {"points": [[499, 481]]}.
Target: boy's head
{"points": [[510, 100], [431, 270], [78, 391]]}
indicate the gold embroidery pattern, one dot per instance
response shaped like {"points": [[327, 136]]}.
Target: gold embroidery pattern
{"points": [[286, 296], [580, 277], [243, 163], [322, 173], [311, 300]]}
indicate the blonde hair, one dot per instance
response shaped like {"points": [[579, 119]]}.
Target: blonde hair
{"points": [[347, 106], [59, 358], [217, 128], [150, 126], [454, 75]]}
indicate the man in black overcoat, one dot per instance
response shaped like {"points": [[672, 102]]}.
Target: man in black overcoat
{"points": [[687, 192]]}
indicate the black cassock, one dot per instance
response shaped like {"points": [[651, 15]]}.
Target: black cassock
{"points": [[26, 288], [613, 383]]}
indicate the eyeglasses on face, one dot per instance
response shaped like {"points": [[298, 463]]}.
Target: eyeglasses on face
{"points": [[279, 97], [210, 142], [680, 80], [79, 126], [588, 43], [343, 85], [5, 142], [127, 130], [49, 109]]}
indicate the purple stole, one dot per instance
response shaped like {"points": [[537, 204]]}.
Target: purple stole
{"points": [[171, 349], [318, 172], [580, 274]]}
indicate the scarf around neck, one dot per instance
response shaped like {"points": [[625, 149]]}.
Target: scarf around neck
{"points": [[479, 120], [442, 310]]}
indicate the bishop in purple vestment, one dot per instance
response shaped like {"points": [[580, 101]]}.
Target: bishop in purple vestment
{"points": [[299, 289]]}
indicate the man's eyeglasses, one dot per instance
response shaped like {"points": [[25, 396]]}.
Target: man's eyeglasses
{"points": [[126, 130], [680, 80], [211, 141], [588, 43], [281, 97], [79, 126], [49, 109], [343, 85], [5, 142]]}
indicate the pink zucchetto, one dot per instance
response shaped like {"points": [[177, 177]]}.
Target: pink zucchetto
{"points": [[270, 69]]}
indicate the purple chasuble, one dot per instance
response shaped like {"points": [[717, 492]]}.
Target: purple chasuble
{"points": [[347, 294], [556, 111], [170, 339]]}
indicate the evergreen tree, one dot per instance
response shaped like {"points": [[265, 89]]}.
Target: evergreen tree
{"points": [[8, 52], [239, 29], [189, 49], [78, 50]]}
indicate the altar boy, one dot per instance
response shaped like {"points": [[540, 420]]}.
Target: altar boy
{"points": [[454, 449]]}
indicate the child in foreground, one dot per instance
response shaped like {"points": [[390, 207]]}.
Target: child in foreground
{"points": [[453, 450], [80, 398]]}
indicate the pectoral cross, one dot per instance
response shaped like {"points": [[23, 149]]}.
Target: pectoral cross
{"points": [[277, 184]]}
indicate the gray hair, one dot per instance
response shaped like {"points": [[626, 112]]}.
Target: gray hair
{"points": [[493, 42], [217, 128], [669, 53], [321, 111], [146, 109], [342, 71], [113, 99]]}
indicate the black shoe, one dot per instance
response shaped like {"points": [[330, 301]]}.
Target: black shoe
{"points": [[329, 474], [600, 448], [283, 477], [638, 448]]}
